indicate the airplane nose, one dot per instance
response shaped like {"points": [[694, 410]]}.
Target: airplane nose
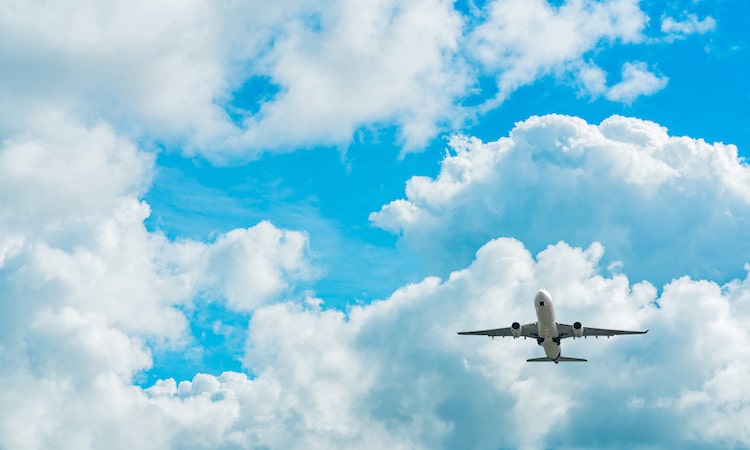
{"points": [[541, 297]]}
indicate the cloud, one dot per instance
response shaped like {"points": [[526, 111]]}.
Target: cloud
{"points": [[559, 36], [362, 63], [57, 171], [663, 205], [637, 80], [87, 292], [73, 226], [396, 367], [169, 71], [395, 374], [675, 29], [246, 267], [70, 206], [230, 82], [148, 66]]}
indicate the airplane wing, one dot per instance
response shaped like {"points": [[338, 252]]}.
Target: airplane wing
{"points": [[529, 330], [566, 331]]}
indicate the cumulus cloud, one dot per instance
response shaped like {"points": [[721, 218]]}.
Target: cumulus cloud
{"points": [[72, 223], [364, 62], [395, 369], [160, 66], [70, 205], [231, 81], [637, 80], [246, 267], [395, 374], [169, 70], [680, 29], [663, 205], [86, 290]]}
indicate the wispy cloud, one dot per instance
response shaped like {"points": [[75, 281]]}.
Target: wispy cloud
{"points": [[680, 29]]}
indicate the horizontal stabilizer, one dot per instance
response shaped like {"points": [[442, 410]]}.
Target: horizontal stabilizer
{"points": [[562, 359]]}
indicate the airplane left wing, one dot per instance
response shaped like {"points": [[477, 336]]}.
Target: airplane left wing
{"points": [[529, 330], [566, 331]]}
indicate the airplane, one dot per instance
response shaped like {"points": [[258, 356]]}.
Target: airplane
{"points": [[547, 332]]}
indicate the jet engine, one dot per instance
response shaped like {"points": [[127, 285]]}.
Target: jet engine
{"points": [[515, 328], [577, 329]]}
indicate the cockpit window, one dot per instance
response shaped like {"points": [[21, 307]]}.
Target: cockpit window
{"points": [[541, 303]]}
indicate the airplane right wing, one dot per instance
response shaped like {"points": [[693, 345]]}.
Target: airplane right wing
{"points": [[566, 331], [529, 330]]}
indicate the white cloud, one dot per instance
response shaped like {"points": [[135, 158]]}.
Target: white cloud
{"points": [[69, 203], [394, 374], [637, 80], [426, 384], [167, 72], [57, 171], [71, 343], [675, 29], [246, 267], [361, 63], [73, 227], [592, 78], [664, 205], [523, 40], [160, 65], [84, 287]]}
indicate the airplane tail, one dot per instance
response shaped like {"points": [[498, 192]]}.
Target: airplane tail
{"points": [[562, 359]]}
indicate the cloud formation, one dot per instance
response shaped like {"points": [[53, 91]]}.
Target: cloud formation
{"points": [[636, 81], [232, 81], [395, 374], [523, 40], [87, 294], [86, 291], [663, 205], [680, 29]]}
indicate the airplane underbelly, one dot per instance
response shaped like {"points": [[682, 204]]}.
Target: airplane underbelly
{"points": [[549, 332], [545, 315], [551, 349]]}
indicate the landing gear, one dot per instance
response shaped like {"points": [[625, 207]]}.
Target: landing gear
{"points": [[556, 340], [539, 341]]}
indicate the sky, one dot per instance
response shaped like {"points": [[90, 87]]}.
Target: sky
{"points": [[250, 225]]}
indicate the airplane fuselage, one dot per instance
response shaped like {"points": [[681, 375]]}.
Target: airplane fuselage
{"points": [[545, 317]]}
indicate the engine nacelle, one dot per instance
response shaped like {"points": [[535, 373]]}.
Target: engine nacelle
{"points": [[515, 328], [577, 329]]}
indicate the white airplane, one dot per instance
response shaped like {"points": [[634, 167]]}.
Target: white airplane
{"points": [[547, 332]]}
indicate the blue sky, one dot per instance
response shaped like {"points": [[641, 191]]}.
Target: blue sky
{"points": [[259, 226]]}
